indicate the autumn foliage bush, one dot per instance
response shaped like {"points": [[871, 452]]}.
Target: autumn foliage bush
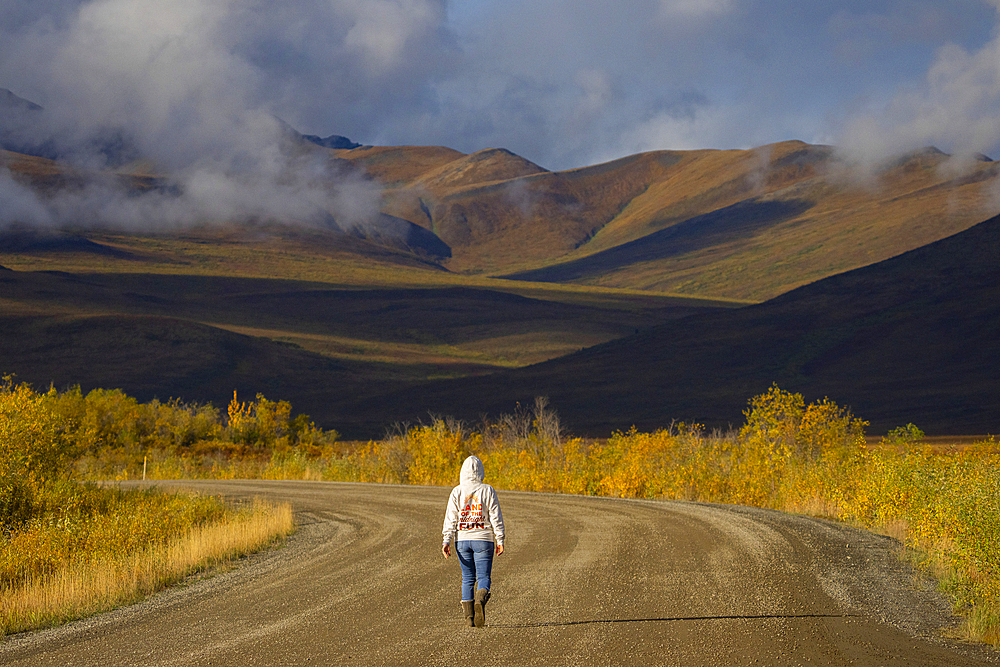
{"points": [[68, 548]]}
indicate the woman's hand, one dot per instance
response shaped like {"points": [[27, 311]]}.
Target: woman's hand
{"points": [[499, 549], [446, 550]]}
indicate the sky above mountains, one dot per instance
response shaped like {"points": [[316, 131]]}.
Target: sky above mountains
{"points": [[564, 83]]}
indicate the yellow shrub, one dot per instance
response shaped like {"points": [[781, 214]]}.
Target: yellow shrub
{"points": [[788, 455]]}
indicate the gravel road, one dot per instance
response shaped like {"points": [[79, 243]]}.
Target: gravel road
{"points": [[584, 581]]}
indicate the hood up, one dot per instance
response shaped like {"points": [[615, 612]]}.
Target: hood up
{"points": [[472, 475]]}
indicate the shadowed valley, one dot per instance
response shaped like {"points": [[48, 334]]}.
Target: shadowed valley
{"points": [[913, 339]]}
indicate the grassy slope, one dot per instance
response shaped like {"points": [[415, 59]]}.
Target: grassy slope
{"points": [[29, 165], [795, 234], [912, 339], [751, 224], [720, 224]]}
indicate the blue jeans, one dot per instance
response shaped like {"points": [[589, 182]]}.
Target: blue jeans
{"points": [[476, 559]]}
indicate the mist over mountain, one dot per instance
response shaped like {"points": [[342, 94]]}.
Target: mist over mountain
{"points": [[672, 221], [104, 181], [899, 322], [635, 160]]}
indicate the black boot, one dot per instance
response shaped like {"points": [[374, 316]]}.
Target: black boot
{"points": [[469, 613], [482, 597]]}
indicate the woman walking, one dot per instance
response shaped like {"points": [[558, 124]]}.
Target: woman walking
{"points": [[474, 520]]}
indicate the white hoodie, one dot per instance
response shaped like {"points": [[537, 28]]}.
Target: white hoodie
{"points": [[473, 510]]}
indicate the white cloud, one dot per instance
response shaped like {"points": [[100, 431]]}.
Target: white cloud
{"points": [[595, 86], [382, 29], [696, 8], [698, 127], [956, 107], [20, 204], [175, 79], [561, 82]]}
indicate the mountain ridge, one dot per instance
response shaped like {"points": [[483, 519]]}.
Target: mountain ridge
{"points": [[534, 226], [649, 221]]}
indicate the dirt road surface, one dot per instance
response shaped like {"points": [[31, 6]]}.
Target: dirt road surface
{"points": [[584, 581]]}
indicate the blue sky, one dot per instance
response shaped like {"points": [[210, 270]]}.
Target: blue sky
{"points": [[564, 83]]}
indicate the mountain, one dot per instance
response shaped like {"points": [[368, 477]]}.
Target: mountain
{"points": [[150, 323], [879, 292], [747, 224], [737, 224], [913, 339], [46, 176]]}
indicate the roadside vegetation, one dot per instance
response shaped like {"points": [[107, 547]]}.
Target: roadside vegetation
{"points": [[69, 549], [812, 458]]}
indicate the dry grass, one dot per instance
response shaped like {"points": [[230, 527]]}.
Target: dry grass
{"points": [[83, 587], [28, 165]]}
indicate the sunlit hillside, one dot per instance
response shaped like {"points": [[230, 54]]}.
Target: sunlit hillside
{"points": [[747, 224], [740, 224]]}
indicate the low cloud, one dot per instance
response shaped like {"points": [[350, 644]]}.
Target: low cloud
{"points": [[175, 85], [690, 123], [195, 85], [956, 108], [301, 193], [21, 204]]}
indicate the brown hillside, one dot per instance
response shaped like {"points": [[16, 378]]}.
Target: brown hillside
{"points": [[509, 219], [397, 165], [824, 225], [744, 224], [739, 224], [479, 168], [46, 175], [702, 181], [526, 220], [28, 165]]}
